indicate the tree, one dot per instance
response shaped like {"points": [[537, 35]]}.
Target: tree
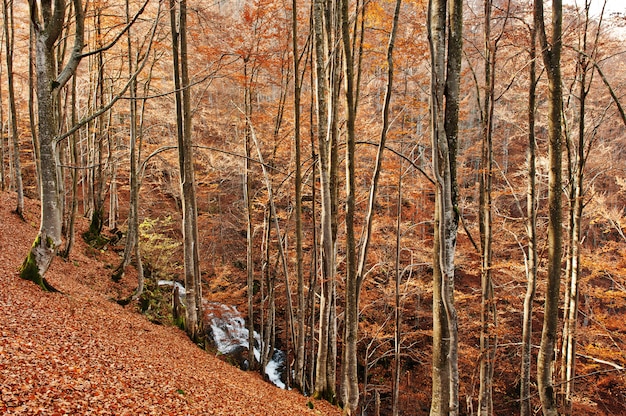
{"points": [[445, 41], [9, 34], [98, 136], [577, 156], [551, 52], [323, 34], [531, 231], [48, 21], [193, 288], [297, 88], [350, 380], [488, 313]]}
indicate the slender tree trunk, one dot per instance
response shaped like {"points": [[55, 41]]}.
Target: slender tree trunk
{"points": [[70, 232], [531, 231], [324, 379], [178, 23], [31, 106], [312, 294], [132, 243], [97, 214], [350, 380], [299, 347], [576, 169], [3, 180], [247, 191], [552, 61], [397, 338], [269, 329], [488, 339], [7, 11]]}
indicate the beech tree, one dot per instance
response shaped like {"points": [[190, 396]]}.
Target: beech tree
{"points": [[297, 88], [551, 52], [324, 37], [488, 313], [47, 20], [445, 24], [531, 231], [193, 287], [578, 149], [9, 35]]}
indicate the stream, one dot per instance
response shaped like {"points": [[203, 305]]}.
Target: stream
{"points": [[230, 335]]}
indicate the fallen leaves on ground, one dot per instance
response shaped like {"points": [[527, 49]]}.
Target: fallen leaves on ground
{"points": [[78, 352]]}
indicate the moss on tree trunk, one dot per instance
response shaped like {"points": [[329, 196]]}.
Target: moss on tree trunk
{"points": [[31, 270]]}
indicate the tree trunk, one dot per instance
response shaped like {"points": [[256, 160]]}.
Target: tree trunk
{"points": [[397, 339], [31, 106], [445, 47], [552, 60], [3, 180], [531, 231], [299, 346], [488, 339], [324, 379], [247, 191], [98, 182], [132, 243], [350, 380], [576, 167], [187, 182], [48, 26], [70, 232], [7, 11]]}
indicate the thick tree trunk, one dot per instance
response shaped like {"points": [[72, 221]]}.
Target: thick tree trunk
{"points": [[48, 84], [445, 48]]}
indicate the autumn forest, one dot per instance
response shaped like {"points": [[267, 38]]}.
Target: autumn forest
{"points": [[417, 205]]}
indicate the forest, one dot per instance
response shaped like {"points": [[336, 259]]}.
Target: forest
{"points": [[419, 202]]}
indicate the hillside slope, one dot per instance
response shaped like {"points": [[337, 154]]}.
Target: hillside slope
{"points": [[78, 352]]}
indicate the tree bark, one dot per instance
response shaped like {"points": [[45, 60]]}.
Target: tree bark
{"points": [[247, 191], [299, 342], [7, 11], [185, 157], [552, 60], [445, 41], [48, 25], [531, 231], [576, 167], [324, 374], [350, 380], [488, 315]]}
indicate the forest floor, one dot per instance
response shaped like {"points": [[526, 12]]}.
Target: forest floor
{"points": [[79, 352]]}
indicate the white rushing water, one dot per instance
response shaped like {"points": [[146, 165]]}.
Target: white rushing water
{"points": [[230, 333]]}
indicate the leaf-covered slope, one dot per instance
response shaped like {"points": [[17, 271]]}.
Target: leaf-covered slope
{"points": [[77, 352]]}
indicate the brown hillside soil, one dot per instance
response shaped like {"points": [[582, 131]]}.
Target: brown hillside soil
{"points": [[79, 352]]}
